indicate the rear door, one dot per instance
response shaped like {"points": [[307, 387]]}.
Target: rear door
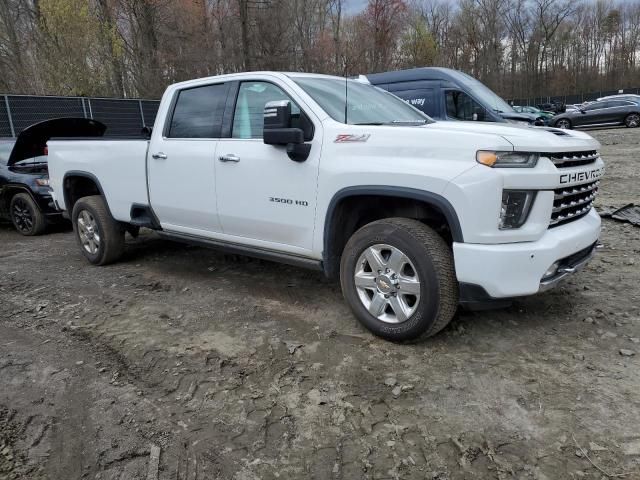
{"points": [[182, 187], [263, 195], [618, 110]]}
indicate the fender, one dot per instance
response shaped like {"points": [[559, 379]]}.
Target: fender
{"points": [[18, 186], [80, 173], [433, 199]]}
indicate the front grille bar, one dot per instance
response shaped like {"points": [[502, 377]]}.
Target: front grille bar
{"points": [[574, 191], [572, 159], [573, 202], [571, 215]]}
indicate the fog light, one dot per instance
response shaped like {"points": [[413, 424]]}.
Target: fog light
{"points": [[515, 208], [551, 271]]}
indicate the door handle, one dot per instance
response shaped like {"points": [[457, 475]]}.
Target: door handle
{"points": [[230, 157], [159, 156]]}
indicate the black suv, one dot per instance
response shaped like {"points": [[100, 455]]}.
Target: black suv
{"points": [[25, 195]]}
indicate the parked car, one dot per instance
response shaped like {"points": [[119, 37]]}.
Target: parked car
{"points": [[555, 107], [446, 94], [600, 113], [535, 111], [25, 194], [623, 96], [412, 215]]}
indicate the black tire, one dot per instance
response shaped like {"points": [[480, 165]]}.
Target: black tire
{"points": [[110, 245], [26, 216], [563, 123], [432, 259], [632, 120]]}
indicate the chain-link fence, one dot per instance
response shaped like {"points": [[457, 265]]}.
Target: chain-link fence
{"points": [[123, 117], [575, 98]]}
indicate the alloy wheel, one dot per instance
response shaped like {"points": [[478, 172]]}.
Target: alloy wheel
{"points": [[387, 283], [88, 232], [22, 215]]}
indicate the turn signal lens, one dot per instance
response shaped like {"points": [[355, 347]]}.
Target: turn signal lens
{"points": [[487, 158], [507, 159], [42, 182]]}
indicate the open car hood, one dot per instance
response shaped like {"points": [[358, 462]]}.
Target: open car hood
{"points": [[32, 140]]}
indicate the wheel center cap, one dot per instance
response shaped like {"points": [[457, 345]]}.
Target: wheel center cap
{"points": [[385, 284]]}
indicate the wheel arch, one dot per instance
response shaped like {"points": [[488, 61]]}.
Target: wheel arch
{"points": [[338, 227], [9, 191], [77, 184]]}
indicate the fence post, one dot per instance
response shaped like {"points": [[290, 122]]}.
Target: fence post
{"points": [[11, 127], [90, 111], [84, 108], [141, 113]]}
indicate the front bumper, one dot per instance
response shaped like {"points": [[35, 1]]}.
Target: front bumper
{"points": [[517, 269]]}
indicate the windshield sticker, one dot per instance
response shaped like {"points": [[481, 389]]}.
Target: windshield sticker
{"points": [[348, 138]]}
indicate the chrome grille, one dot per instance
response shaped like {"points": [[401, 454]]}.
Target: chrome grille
{"points": [[571, 203], [573, 159]]}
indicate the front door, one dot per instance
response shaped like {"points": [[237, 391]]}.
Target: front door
{"points": [[262, 194], [181, 163]]}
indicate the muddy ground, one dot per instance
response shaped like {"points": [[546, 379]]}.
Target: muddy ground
{"points": [[243, 369]]}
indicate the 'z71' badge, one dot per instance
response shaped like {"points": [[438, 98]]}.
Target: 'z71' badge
{"points": [[591, 175], [350, 138]]}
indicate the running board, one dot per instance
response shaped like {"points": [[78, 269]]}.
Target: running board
{"points": [[237, 249]]}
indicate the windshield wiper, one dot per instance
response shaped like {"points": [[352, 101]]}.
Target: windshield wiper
{"points": [[409, 122], [368, 123]]}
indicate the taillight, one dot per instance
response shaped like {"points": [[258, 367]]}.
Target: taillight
{"points": [[46, 151]]}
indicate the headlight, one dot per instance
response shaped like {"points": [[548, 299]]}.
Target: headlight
{"points": [[42, 182], [515, 208], [507, 159]]}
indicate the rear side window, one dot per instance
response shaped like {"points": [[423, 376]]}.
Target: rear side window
{"points": [[198, 112]]}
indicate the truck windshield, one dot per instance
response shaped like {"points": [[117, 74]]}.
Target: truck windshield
{"points": [[488, 97], [367, 105]]}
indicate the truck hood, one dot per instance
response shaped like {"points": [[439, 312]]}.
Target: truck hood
{"points": [[525, 137]]}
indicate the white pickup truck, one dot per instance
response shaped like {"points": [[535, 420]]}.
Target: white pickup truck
{"points": [[413, 216]]}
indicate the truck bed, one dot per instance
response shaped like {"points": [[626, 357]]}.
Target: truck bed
{"points": [[119, 165]]}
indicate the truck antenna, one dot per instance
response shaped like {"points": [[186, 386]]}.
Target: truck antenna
{"points": [[346, 91]]}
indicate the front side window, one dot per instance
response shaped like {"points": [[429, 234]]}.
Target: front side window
{"points": [[198, 112], [248, 119], [365, 104], [596, 106], [462, 107]]}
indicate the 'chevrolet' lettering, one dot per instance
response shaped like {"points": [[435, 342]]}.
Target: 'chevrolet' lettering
{"points": [[581, 176]]}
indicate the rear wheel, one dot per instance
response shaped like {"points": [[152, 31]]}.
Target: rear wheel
{"points": [[563, 123], [100, 237], [398, 277], [26, 216], [632, 120]]}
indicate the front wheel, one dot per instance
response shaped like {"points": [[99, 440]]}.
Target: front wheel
{"points": [[99, 235], [564, 124], [632, 120], [399, 279], [26, 216]]}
